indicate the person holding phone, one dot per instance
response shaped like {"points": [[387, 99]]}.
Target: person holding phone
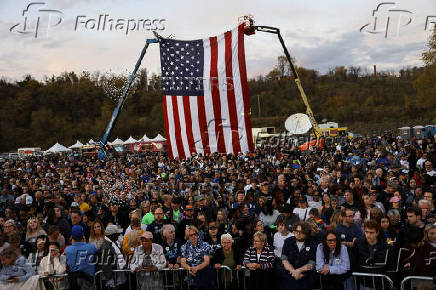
{"points": [[16, 269]]}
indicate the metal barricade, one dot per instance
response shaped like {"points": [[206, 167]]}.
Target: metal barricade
{"points": [[119, 277], [421, 279], [226, 278], [162, 279], [374, 278], [59, 281], [174, 278]]}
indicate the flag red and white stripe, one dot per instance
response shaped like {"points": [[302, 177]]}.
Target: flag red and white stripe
{"points": [[218, 120]]}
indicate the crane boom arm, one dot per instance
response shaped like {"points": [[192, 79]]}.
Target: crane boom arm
{"points": [[297, 80], [117, 110]]}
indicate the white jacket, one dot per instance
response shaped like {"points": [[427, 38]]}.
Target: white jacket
{"points": [[57, 267], [157, 257]]}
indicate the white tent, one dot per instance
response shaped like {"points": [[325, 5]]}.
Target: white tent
{"points": [[116, 142], [77, 145], [159, 138], [58, 148], [91, 142], [131, 140], [145, 138]]}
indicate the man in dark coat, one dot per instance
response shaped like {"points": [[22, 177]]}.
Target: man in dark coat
{"points": [[298, 259]]}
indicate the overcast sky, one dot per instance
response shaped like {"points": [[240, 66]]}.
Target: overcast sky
{"points": [[319, 34]]}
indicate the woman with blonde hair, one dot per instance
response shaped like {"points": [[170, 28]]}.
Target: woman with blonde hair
{"points": [[131, 242], [171, 246], [259, 259], [34, 230], [335, 220], [97, 234], [195, 258], [430, 235]]}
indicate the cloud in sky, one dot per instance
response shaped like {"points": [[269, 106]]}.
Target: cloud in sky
{"points": [[319, 34]]}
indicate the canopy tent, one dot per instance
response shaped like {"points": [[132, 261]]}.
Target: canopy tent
{"points": [[77, 145], [91, 142], [58, 148], [158, 138], [131, 140], [145, 139], [117, 142]]}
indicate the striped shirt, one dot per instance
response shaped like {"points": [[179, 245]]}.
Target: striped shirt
{"points": [[266, 259]]}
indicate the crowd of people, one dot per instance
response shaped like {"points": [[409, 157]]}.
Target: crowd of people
{"points": [[279, 217]]}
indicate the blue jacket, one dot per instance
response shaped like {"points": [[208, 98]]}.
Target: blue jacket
{"points": [[80, 257], [347, 234], [21, 269]]}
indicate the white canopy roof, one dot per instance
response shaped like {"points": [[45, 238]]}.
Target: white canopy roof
{"points": [[117, 142], [58, 148], [77, 145], [159, 138], [145, 138], [91, 142], [131, 140]]}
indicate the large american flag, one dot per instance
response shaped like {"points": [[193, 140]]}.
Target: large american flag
{"points": [[206, 101]]}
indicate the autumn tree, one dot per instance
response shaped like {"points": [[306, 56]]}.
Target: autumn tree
{"points": [[429, 56]]}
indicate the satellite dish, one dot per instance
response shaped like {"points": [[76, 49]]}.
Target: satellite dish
{"points": [[298, 124]]}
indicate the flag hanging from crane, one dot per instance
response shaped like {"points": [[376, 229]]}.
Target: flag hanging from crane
{"points": [[206, 102]]}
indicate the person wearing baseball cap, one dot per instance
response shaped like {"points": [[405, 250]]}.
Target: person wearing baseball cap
{"points": [[213, 238], [112, 257], [80, 256], [188, 219], [147, 260]]}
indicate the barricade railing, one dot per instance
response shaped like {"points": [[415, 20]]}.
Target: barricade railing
{"points": [[58, 281], [162, 279], [419, 279], [119, 277], [227, 278], [174, 278], [373, 278]]}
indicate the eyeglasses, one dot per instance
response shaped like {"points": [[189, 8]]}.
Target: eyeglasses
{"points": [[298, 232], [193, 235]]}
